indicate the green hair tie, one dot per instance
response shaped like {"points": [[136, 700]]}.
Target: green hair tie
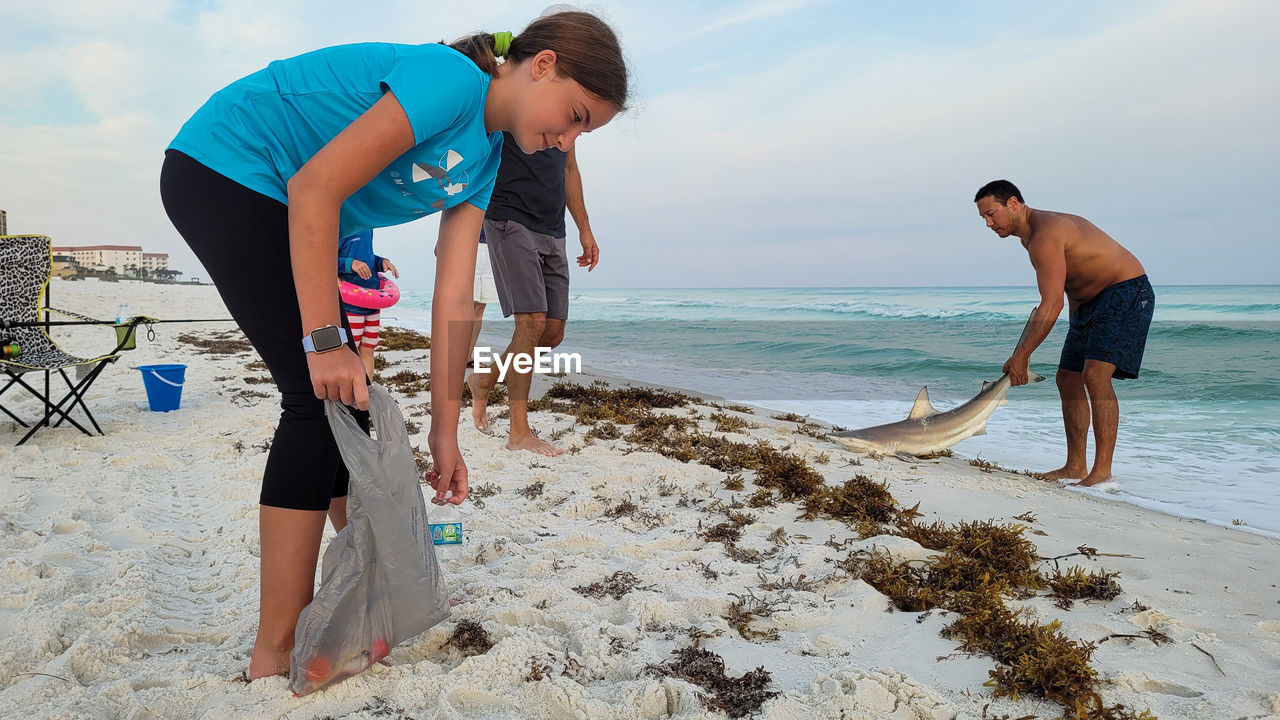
{"points": [[502, 43]]}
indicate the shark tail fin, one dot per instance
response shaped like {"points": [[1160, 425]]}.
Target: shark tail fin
{"points": [[922, 407], [1033, 377]]}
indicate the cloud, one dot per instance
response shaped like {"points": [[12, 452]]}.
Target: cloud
{"points": [[812, 159], [754, 13]]}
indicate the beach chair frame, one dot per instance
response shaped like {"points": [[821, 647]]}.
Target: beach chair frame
{"points": [[26, 265]]}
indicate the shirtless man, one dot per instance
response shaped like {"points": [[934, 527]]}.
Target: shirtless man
{"points": [[1111, 303]]}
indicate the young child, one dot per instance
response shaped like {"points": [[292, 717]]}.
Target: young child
{"points": [[356, 263], [281, 163]]}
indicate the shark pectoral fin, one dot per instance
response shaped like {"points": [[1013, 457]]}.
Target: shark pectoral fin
{"points": [[922, 407], [982, 429]]}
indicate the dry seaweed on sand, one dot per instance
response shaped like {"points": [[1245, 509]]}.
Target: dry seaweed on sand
{"points": [[532, 490], [746, 609], [1033, 659], [398, 338], [1076, 584], [858, 500], [979, 564], [615, 586], [224, 342], [470, 638], [727, 533], [408, 382], [908, 586], [595, 402], [604, 430], [736, 697], [999, 550], [731, 423]]}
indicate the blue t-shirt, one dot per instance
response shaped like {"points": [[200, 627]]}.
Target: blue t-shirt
{"points": [[262, 128]]}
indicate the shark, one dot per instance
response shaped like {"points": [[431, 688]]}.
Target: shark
{"points": [[928, 430]]}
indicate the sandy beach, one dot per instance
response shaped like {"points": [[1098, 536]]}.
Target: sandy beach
{"points": [[129, 570]]}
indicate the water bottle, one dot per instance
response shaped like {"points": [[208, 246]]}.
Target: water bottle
{"points": [[123, 314], [446, 531]]}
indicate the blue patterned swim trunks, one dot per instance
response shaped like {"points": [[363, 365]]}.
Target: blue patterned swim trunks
{"points": [[1112, 327]]}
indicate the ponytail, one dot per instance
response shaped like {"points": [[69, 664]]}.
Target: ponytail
{"points": [[587, 51], [480, 50]]}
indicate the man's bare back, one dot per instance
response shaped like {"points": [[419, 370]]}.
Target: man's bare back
{"points": [[1094, 260]]}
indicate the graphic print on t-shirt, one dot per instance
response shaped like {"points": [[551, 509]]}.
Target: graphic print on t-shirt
{"points": [[440, 173]]}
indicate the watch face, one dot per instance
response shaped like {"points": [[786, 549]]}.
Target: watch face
{"points": [[326, 338]]}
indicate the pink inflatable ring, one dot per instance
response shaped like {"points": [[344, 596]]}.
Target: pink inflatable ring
{"points": [[385, 296]]}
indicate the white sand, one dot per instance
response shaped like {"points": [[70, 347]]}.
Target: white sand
{"points": [[128, 584]]}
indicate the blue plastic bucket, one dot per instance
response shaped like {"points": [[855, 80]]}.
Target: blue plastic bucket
{"points": [[164, 385]]}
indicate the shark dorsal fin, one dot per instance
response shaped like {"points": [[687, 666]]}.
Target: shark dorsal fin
{"points": [[922, 407]]}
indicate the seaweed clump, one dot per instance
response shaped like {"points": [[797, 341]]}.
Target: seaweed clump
{"points": [[736, 697], [226, 342], [398, 338], [408, 382], [1076, 584], [731, 423], [980, 563], [977, 554], [615, 586], [470, 638], [860, 502], [1034, 659], [595, 402]]}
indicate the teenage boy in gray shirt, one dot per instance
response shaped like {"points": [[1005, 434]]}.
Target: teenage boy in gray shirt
{"points": [[524, 230]]}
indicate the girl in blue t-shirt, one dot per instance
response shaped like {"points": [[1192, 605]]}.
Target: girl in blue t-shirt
{"points": [[273, 169]]}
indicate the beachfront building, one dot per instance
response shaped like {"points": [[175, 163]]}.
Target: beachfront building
{"points": [[64, 266], [103, 257], [152, 262]]}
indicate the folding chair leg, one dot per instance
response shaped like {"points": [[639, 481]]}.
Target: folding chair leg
{"points": [[53, 409], [77, 391], [13, 380]]}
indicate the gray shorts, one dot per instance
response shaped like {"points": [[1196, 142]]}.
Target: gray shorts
{"points": [[530, 269]]}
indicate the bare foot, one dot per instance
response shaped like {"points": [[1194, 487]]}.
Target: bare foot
{"points": [[479, 402], [1065, 472], [1094, 478], [266, 663], [533, 443]]}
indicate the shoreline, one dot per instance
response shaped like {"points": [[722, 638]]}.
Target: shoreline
{"points": [[130, 572]]}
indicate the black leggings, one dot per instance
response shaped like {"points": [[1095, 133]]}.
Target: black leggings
{"points": [[242, 239]]}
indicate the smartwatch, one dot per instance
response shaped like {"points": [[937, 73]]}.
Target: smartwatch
{"points": [[322, 340]]}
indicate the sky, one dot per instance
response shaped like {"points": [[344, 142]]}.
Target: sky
{"points": [[771, 143]]}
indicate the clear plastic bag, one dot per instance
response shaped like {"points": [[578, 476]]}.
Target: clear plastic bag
{"points": [[380, 582]]}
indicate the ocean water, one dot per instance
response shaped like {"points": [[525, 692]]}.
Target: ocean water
{"points": [[1199, 434]]}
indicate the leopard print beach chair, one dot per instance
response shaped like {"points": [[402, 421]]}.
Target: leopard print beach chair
{"points": [[26, 263]]}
